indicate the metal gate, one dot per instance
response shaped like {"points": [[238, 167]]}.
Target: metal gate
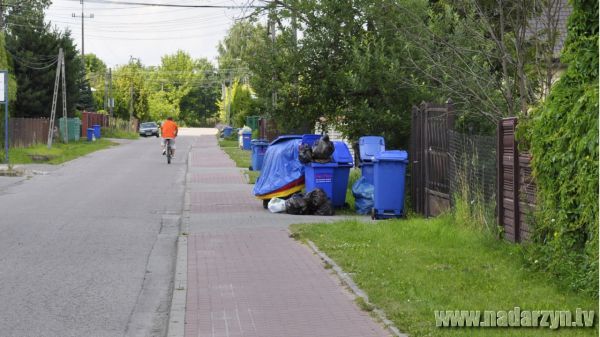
{"points": [[430, 187]]}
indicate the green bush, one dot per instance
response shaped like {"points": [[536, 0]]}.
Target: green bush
{"points": [[562, 135]]}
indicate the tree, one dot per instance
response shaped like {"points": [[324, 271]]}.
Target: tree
{"points": [[33, 47], [237, 104], [562, 135], [199, 107], [131, 91], [96, 74]]}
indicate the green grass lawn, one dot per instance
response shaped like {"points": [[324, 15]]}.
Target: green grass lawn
{"points": [[118, 133], [241, 157], [58, 154], [410, 268]]}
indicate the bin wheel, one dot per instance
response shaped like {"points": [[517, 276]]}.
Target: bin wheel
{"points": [[250, 168], [266, 203]]}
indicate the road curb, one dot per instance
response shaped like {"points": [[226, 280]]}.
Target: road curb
{"points": [[347, 281], [176, 327]]}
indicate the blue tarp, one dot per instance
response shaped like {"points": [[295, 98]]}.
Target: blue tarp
{"points": [[363, 192], [280, 166]]}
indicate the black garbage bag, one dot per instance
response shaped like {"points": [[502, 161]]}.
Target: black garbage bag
{"points": [[325, 209], [305, 154], [322, 150], [317, 203], [296, 205]]}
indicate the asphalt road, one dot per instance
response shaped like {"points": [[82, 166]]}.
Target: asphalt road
{"points": [[88, 249]]}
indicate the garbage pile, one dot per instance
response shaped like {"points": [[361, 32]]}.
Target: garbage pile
{"points": [[320, 152], [314, 202]]}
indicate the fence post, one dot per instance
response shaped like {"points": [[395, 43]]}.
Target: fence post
{"points": [[500, 174], [425, 122], [517, 175]]}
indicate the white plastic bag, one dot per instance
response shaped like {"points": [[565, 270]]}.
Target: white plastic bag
{"points": [[277, 205]]}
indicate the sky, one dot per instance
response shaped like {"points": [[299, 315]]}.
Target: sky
{"points": [[118, 32]]}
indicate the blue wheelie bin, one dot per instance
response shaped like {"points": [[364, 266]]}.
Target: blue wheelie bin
{"points": [[390, 171], [247, 140], [331, 177], [90, 134], [369, 147], [96, 131], [259, 148], [227, 131]]}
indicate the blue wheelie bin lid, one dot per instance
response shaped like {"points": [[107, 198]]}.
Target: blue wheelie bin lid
{"points": [[392, 155], [284, 138], [259, 142], [310, 139], [341, 154], [370, 146]]}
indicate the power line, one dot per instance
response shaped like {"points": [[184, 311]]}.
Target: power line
{"points": [[171, 5]]}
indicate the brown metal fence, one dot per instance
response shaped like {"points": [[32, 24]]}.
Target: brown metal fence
{"points": [[516, 190], [88, 119], [25, 132], [268, 129], [430, 187]]}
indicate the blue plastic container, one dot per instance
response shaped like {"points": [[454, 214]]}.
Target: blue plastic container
{"points": [[90, 134], [247, 140], [321, 176], [367, 170], [96, 131], [390, 171], [310, 139], [259, 148], [331, 177], [343, 158], [369, 147], [227, 131]]}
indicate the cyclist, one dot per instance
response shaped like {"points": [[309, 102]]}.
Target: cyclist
{"points": [[168, 130]]}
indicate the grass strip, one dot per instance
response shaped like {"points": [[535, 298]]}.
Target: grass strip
{"points": [[58, 154], [410, 268], [242, 158]]}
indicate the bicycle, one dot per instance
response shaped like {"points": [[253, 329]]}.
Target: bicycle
{"points": [[168, 150]]}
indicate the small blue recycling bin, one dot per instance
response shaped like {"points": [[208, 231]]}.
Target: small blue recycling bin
{"points": [[90, 134], [331, 177], [247, 140], [390, 171], [343, 158], [259, 148], [369, 147], [96, 131], [227, 131]]}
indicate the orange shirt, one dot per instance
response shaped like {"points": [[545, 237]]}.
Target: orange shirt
{"points": [[169, 129]]}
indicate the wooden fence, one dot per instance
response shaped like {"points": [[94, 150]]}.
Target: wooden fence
{"points": [[516, 190], [25, 132], [430, 187]]}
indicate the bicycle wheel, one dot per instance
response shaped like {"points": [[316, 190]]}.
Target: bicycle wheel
{"points": [[169, 151]]}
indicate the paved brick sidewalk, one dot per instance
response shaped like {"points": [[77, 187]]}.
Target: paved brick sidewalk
{"points": [[246, 277]]}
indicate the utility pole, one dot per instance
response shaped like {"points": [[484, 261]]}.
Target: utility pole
{"points": [[105, 101], [2, 9], [83, 17], [60, 68], [131, 103], [111, 101], [272, 20]]}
